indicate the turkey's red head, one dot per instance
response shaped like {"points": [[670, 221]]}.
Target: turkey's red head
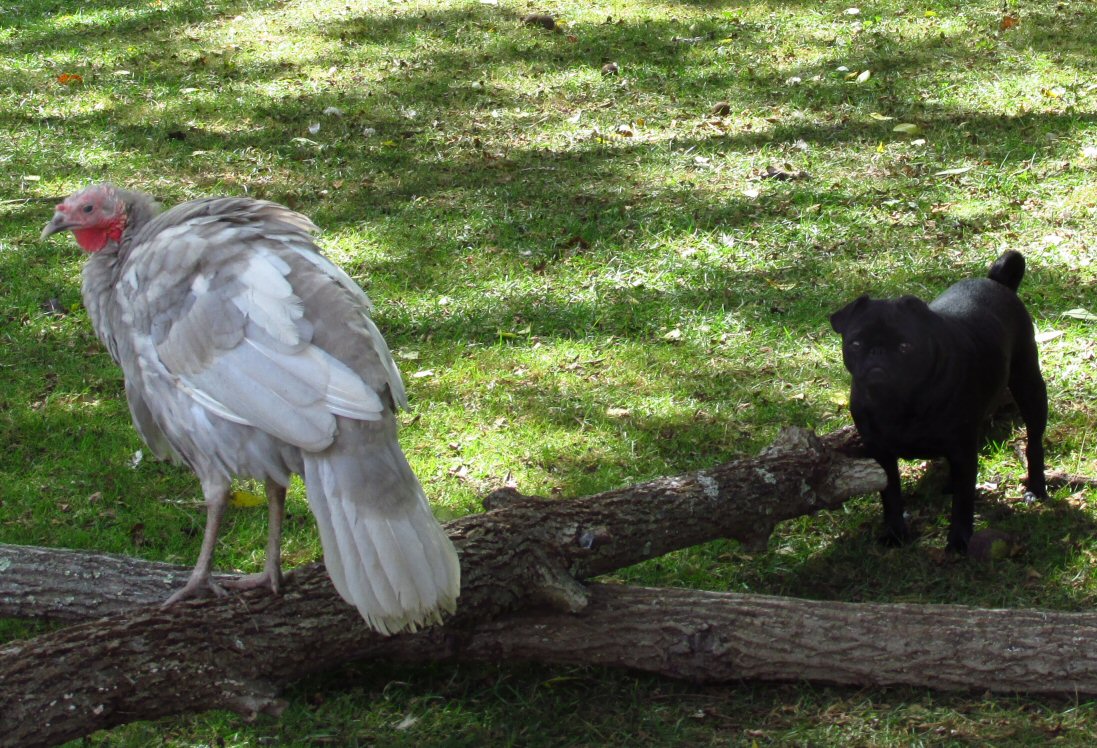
{"points": [[95, 215]]}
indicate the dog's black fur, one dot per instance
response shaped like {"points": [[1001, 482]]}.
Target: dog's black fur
{"points": [[926, 377]]}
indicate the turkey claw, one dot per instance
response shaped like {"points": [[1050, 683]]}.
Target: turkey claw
{"points": [[193, 589], [273, 582]]}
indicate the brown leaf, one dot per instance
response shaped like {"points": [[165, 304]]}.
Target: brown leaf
{"points": [[784, 175]]}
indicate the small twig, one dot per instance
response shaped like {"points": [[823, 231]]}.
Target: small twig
{"points": [[1058, 479]]}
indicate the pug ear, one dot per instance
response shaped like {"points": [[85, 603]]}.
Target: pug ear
{"points": [[840, 319], [913, 305]]}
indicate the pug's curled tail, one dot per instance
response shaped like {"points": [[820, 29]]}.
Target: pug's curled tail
{"points": [[1008, 270]]}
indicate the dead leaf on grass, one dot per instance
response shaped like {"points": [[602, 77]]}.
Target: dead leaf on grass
{"points": [[788, 174], [1080, 313], [246, 499], [410, 719], [953, 172]]}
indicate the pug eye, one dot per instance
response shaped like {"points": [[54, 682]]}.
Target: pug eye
{"points": [[855, 345], [905, 348]]}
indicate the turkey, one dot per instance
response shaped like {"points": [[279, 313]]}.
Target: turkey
{"points": [[247, 353]]}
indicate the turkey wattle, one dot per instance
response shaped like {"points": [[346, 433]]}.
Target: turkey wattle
{"points": [[247, 353]]}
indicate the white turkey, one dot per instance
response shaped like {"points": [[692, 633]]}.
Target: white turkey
{"points": [[246, 353]]}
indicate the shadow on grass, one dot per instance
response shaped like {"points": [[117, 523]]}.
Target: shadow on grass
{"points": [[1046, 558], [1044, 568], [48, 26], [437, 195], [594, 188]]}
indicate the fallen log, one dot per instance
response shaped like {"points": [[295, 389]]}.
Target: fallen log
{"points": [[709, 637], [239, 652]]}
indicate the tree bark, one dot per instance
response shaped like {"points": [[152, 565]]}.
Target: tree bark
{"points": [[239, 652], [709, 637], [702, 637]]}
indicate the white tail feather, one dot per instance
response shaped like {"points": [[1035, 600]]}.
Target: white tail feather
{"points": [[383, 549]]}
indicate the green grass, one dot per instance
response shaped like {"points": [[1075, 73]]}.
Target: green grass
{"points": [[586, 282]]}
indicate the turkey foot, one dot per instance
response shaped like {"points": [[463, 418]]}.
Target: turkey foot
{"points": [[273, 581], [197, 586], [271, 576], [201, 581]]}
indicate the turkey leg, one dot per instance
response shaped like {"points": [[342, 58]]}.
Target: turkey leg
{"points": [[271, 576], [217, 498]]}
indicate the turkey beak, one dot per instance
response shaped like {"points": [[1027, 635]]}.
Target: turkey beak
{"points": [[58, 223]]}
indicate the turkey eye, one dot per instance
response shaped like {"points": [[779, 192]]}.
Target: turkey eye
{"points": [[89, 208]]}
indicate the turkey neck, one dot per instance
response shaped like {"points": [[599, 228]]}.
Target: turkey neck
{"points": [[102, 272]]}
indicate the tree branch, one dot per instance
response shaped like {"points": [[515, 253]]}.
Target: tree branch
{"points": [[709, 637], [239, 652]]}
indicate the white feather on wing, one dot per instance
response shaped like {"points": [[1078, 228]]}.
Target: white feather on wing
{"points": [[270, 378]]}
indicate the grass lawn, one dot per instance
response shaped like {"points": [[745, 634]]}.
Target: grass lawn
{"points": [[589, 276]]}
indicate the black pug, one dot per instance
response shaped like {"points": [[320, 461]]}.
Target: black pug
{"points": [[926, 377]]}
